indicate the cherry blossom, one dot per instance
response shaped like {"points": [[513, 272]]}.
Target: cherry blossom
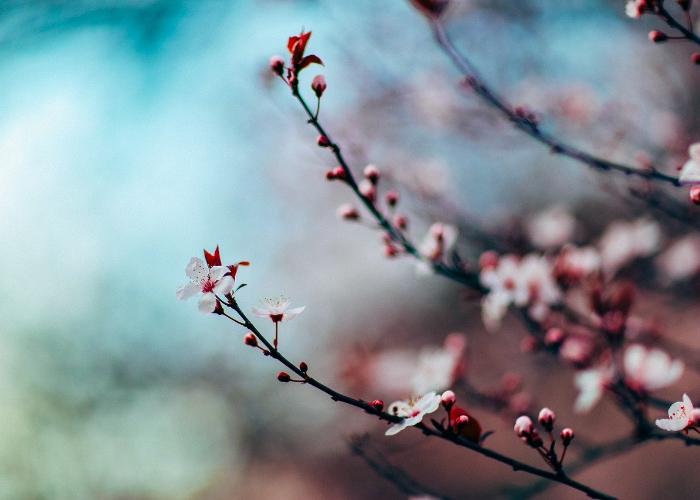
{"points": [[207, 280], [681, 416], [412, 411], [526, 281], [650, 369], [623, 242], [438, 368], [635, 8], [690, 173], [681, 260], [551, 228], [574, 264], [278, 310], [439, 241], [591, 383]]}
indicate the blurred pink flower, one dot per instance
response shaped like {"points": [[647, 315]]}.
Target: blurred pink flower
{"points": [[551, 228], [591, 384], [624, 242], [681, 260], [207, 281], [650, 369], [412, 411], [438, 368], [690, 173], [681, 415], [278, 310]]}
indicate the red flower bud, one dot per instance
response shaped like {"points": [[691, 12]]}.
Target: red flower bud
{"points": [[348, 212], [277, 65], [695, 194], [250, 340], [567, 435], [377, 404], [657, 36], [372, 174], [303, 366], [431, 8], [283, 377], [392, 198], [323, 141], [401, 221], [695, 57], [554, 336], [318, 85]]}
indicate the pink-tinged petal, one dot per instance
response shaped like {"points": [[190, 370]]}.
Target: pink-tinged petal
{"points": [[260, 313], [634, 358], [677, 410], [428, 403], [207, 304], [395, 428], [694, 151], [690, 173], [217, 272], [688, 403], [197, 270], [189, 290], [224, 286], [294, 312], [671, 424]]}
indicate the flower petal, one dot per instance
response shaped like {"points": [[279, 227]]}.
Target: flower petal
{"points": [[260, 313], [207, 304], [189, 290], [224, 286], [294, 312], [217, 272], [671, 424], [197, 270], [396, 428]]}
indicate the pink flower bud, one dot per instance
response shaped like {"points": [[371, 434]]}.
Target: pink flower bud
{"points": [[390, 250], [318, 85], [377, 404], [695, 194], [401, 221], [348, 212], [460, 422], [368, 190], [392, 198], [372, 174], [695, 417], [695, 57], [523, 426], [567, 435], [448, 399], [250, 340], [488, 260], [323, 141], [657, 36], [283, 377], [554, 336], [277, 65], [546, 418]]}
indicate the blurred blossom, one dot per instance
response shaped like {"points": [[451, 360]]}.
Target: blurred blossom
{"points": [[624, 242], [551, 228], [681, 260]]}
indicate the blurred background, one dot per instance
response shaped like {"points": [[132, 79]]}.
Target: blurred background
{"points": [[134, 133]]}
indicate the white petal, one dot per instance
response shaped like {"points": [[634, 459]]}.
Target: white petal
{"points": [[688, 403], [694, 151], [224, 286], [396, 428], [217, 272], [260, 313], [207, 303], [197, 270], [189, 290], [690, 173], [294, 312], [672, 424]]}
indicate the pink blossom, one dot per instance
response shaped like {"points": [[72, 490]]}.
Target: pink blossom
{"points": [[681, 260], [650, 369], [438, 368], [690, 173], [523, 426], [207, 282], [635, 8], [681, 415], [551, 228], [412, 411], [277, 310], [439, 241], [624, 242], [591, 383]]}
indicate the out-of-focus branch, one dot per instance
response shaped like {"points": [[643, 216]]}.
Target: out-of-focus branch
{"points": [[516, 465], [674, 23], [388, 471], [529, 126]]}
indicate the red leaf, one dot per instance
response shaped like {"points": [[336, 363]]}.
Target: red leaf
{"points": [[309, 60], [213, 259]]}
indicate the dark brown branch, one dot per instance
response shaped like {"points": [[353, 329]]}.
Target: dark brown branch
{"points": [[687, 33], [516, 465]]}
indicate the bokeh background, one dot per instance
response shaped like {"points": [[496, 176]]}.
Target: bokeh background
{"points": [[134, 133]]}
